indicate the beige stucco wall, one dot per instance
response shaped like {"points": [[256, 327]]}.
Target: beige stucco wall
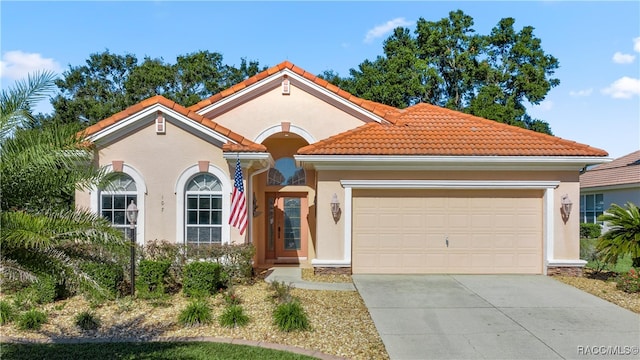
{"points": [[316, 117], [331, 236], [161, 159]]}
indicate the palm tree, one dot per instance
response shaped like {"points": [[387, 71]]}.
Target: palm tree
{"points": [[623, 236], [40, 169]]}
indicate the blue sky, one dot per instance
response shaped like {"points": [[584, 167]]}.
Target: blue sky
{"points": [[597, 44]]}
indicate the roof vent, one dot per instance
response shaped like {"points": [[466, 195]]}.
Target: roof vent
{"points": [[160, 123], [286, 86]]}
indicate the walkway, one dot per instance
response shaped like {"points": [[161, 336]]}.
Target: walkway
{"points": [[293, 275]]}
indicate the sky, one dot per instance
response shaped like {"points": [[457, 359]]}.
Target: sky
{"points": [[597, 45]]}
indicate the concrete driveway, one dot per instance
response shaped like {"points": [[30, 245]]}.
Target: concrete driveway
{"points": [[495, 317]]}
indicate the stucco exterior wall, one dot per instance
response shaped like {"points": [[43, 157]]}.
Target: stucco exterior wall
{"points": [[161, 159], [331, 237], [317, 117]]}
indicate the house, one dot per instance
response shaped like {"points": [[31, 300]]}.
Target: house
{"points": [[616, 182], [335, 181]]}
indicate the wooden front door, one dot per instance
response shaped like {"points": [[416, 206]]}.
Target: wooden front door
{"points": [[287, 226]]}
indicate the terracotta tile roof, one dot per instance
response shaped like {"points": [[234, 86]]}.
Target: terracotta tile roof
{"points": [[621, 171], [244, 144], [385, 111], [425, 129]]}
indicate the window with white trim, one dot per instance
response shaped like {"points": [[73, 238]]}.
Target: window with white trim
{"points": [[114, 199], [203, 210], [591, 206]]}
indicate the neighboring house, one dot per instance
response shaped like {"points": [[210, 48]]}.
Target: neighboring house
{"points": [[616, 182], [333, 180]]}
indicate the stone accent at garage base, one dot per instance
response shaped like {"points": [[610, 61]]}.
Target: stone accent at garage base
{"points": [[575, 271], [332, 270]]}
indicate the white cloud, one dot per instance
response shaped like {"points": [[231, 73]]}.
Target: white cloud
{"points": [[623, 88], [636, 44], [620, 58], [385, 28], [16, 64], [581, 93]]}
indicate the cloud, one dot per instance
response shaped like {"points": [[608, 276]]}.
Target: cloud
{"points": [[636, 44], [17, 65], [385, 28], [581, 93], [546, 105], [623, 88], [620, 58]]}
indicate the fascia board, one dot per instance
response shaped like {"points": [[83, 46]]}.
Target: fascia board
{"points": [[248, 158], [594, 189], [448, 184], [374, 162], [135, 121], [268, 82]]}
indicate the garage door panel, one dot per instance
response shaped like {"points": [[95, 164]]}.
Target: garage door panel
{"points": [[487, 231]]}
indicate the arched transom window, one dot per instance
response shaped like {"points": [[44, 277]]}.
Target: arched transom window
{"points": [[114, 199], [285, 172], [203, 210]]}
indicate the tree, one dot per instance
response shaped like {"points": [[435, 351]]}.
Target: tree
{"points": [[109, 83], [623, 236], [41, 233], [448, 64]]}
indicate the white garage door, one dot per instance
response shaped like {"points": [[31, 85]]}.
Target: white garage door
{"points": [[447, 231]]}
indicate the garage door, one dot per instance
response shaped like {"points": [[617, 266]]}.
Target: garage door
{"points": [[447, 231]]}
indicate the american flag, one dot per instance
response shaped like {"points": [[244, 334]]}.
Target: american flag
{"points": [[238, 216]]}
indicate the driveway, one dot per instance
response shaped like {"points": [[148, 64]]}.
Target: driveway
{"points": [[495, 317]]}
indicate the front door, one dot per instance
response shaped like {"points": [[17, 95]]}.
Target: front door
{"points": [[287, 226]]}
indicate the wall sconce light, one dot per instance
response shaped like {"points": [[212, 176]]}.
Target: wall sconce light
{"points": [[566, 204], [335, 208]]}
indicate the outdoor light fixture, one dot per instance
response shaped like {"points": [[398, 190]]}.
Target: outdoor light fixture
{"points": [[566, 207], [132, 216], [335, 208]]}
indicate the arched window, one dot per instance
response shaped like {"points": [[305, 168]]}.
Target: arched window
{"points": [[203, 210], [285, 172], [114, 199]]}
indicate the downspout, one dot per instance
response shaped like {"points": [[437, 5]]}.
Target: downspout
{"points": [[250, 199]]}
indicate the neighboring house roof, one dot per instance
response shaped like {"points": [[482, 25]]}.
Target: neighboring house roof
{"points": [[624, 170], [425, 129], [242, 144], [385, 111]]}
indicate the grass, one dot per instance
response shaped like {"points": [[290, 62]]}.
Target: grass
{"points": [[586, 248], [153, 350]]}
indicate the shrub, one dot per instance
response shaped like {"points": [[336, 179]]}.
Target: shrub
{"points": [[45, 290], [107, 275], [196, 313], [290, 316], [87, 320], [201, 278], [282, 291], [236, 260], [628, 282], [32, 320], [590, 230], [623, 236], [233, 316], [24, 299], [166, 251], [230, 296], [150, 281], [7, 313]]}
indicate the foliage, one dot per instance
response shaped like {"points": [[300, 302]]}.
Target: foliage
{"points": [[144, 350], [589, 253], [230, 296], [202, 278], [236, 260], [45, 290], [628, 282], [32, 320], [151, 277], [281, 291], [623, 236], [448, 64], [7, 312], [290, 316], [109, 275], [170, 252], [232, 316], [87, 320], [109, 83], [40, 169], [590, 230], [196, 313]]}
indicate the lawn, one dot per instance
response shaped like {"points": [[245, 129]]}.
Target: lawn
{"points": [[151, 350]]}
